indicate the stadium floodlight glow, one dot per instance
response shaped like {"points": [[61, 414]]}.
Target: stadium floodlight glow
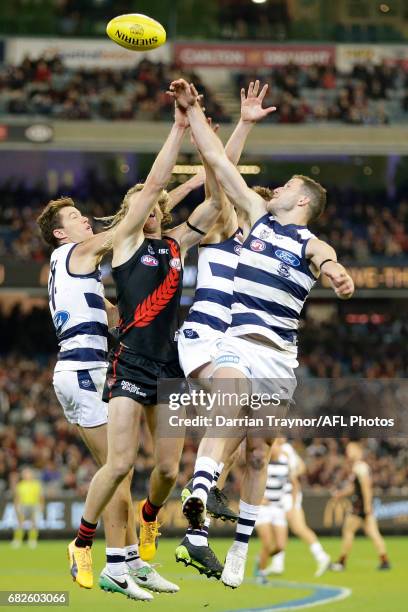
{"points": [[259, 1]]}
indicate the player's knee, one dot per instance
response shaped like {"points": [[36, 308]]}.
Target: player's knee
{"points": [[168, 470], [119, 468], [258, 458]]}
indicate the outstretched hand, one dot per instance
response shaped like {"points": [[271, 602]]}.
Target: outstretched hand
{"points": [[185, 94], [251, 103]]}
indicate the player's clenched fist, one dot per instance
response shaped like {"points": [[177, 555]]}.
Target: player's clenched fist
{"points": [[342, 282]]}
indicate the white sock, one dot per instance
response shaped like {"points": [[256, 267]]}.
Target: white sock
{"points": [[115, 561], [204, 471], [279, 559], [317, 551], [199, 537], [245, 526], [133, 559], [217, 474]]}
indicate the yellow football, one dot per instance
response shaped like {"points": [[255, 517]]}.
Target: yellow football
{"points": [[136, 32]]}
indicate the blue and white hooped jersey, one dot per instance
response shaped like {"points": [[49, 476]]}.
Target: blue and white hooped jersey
{"points": [[277, 479], [272, 282], [79, 314], [211, 307]]}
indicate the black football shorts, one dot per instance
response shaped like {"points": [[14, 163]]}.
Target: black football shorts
{"points": [[134, 376]]}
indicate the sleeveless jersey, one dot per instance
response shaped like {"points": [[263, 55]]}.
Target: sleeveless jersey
{"points": [[79, 314], [272, 282], [215, 284], [277, 479], [360, 469], [148, 288]]}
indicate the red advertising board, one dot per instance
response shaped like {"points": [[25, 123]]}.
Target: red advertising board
{"points": [[247, 56]]}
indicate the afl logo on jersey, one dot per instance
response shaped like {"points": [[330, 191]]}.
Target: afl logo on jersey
{"points": [[238, 249], [175, 263], [257, 245], [60, 319], [149, 260], [288, 258]]}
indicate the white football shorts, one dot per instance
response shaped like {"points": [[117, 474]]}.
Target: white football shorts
{"points": [[271, 514], [196, 347], [80, 394]]}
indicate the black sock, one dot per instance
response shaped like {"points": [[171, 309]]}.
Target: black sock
{"points": [[86, 533]]}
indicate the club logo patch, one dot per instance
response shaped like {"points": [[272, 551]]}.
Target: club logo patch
{"points": [[287, 257], [149, 260], [238, 249], [60, 319], [190, 333], [284, 270], [175, 263], [265, 234], [150, 250], [257, 245]]}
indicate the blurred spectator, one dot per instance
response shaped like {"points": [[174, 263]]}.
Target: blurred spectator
{"points": [[33, 431], [361, 227], [369, 95], [46, 87]]}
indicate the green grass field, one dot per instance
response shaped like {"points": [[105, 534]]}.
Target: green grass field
{"points": [[46, 568]]}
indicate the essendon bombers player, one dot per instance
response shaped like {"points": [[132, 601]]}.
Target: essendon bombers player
{"points": [[147, 269]]}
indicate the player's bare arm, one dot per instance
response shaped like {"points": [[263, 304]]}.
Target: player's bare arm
{"points": [[324, 259], [182, 191], [87, 254], [128, 235], [203, 217], [211, 148], [112, 313]]}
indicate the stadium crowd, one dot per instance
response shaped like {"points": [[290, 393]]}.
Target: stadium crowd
{"points": [[368, 95], [34, 431], [360, 227], [45, 87]]}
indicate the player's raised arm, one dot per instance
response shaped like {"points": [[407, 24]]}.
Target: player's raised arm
{"points": [[203, 217], [180, 192], [251, 113], [324, 259], [213, 151], [129, 232]]}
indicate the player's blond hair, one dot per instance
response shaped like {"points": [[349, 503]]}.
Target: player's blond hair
{"points": [[50, 219], [163, 201], [264, 192]]}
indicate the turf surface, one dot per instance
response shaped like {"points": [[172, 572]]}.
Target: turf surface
{"points": [[46, 568]]}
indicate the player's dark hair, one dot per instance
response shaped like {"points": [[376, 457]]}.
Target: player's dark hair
{"points": [[50, 219], [317, 195]]}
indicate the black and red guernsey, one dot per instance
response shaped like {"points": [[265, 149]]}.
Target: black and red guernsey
{"points": [[149, 287]]}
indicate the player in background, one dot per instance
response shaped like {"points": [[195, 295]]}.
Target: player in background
{"points": [[360, 488], [205, 324], [147, 269], [296, 518], [82, 316], [28, 503], [279, 264], [271, 524]]}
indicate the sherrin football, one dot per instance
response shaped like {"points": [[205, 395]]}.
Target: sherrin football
{"points": [[136, 32]]}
